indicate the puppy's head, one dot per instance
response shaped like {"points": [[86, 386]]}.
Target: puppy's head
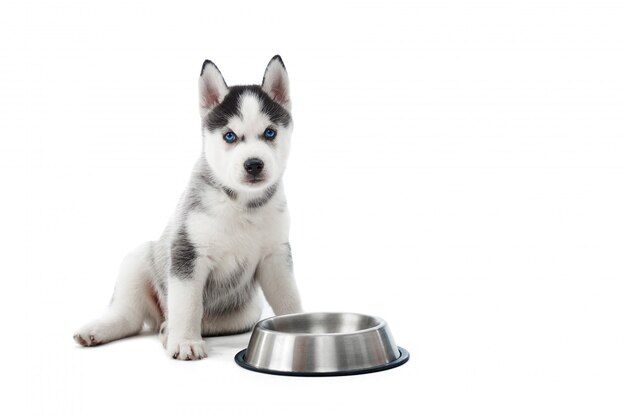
{"points": [[246, 129]]}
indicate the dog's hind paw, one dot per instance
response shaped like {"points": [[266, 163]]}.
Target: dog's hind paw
{"points": [[97, 332], [186, 349], [86, 339]]}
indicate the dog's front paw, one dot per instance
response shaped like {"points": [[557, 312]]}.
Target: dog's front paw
{"points": [[186, 349]]}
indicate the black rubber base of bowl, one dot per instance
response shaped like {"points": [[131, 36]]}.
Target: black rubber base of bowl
{"points": [[402, 359]]}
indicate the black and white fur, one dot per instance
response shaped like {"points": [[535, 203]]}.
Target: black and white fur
{"points": [[229, 233]]}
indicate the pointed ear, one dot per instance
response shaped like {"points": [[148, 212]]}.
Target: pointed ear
{"points": [[211, 87], [276, 82]]}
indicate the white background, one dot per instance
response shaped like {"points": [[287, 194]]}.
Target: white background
{"points": [[458, 168]]}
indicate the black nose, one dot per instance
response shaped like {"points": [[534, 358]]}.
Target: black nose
{"points": [[253, 166]]}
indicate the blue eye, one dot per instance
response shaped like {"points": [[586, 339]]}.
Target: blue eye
{"points": [[269, 134], [230, 137]]}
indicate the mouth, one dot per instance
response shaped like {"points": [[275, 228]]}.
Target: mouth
{"points": [[253, 181]]}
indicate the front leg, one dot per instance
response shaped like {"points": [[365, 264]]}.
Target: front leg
{"points": [[275, 275], [186, 282]]}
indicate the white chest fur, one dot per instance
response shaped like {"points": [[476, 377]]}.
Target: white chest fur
{"points": [[227, 236]]}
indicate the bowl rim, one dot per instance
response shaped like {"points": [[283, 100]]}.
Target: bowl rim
{"points": [[380, 324]]}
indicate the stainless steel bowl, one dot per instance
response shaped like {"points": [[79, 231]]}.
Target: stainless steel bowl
{"points": [[321, 344]]}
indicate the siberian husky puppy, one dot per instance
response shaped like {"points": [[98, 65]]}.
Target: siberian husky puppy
{"points": [[229, 234]]}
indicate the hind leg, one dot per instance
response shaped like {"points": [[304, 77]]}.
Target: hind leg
{"points": [[133, 303]]}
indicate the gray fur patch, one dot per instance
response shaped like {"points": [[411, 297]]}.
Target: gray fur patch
{"points": [[183, 254], [224, 294], [288, 253], [230, 192], [262, 200]]}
